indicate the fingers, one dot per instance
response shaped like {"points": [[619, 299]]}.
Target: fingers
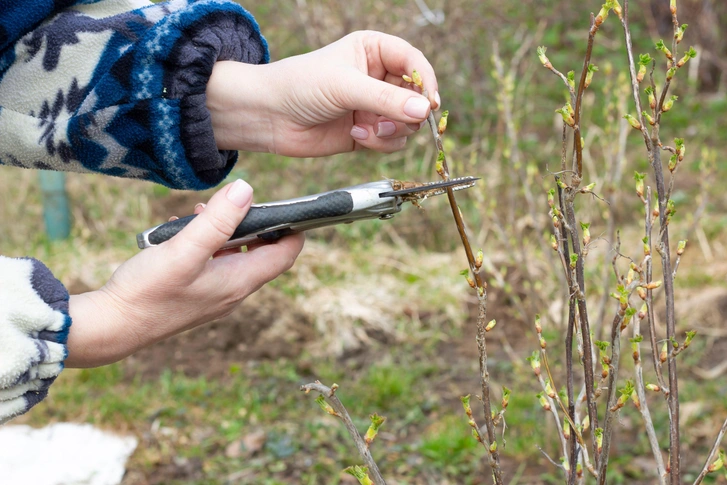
{"points": [[364, 93], [381, 89], [398, 57], [214, 225], [260, 264]]}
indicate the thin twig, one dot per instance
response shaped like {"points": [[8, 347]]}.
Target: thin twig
{"points": [[329, 394], [613, 373], [712, 452], [644, 408], [481, 289], [652, 145]]}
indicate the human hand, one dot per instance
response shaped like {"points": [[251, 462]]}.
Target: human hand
{"points": [[177, 285], [345, 96]]}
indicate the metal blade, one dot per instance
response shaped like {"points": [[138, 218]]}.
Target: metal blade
{"points": [[429, 189]]}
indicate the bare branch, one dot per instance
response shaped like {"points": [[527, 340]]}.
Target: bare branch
{"points": [[329, 394]]}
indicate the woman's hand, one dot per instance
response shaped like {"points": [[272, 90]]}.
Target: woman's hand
{"points": [[342, 97], [177, 285]]}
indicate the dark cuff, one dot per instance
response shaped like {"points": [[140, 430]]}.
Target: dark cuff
{"points": [[226, 32]]}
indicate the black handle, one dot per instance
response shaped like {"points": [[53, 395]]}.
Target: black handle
{"points": [[332, 204]]}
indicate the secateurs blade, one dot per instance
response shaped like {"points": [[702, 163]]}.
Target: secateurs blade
{"points": [[273, 220]]}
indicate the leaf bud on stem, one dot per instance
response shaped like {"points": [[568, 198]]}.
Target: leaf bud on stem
{"points": [[534, 360], [660, 46], [543, 402], [592, 68], [543, 58], [668, 104], [718, 463], [635, 124], [442, 126], [681, 247], [644, 61], [652, 96], [690, 54], [361, 473], [679, 35]]}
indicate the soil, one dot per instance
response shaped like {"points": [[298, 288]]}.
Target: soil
{"points": [[268, 325]]}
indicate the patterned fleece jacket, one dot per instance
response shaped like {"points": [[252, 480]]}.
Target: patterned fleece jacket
{"points": [[109, 86]]}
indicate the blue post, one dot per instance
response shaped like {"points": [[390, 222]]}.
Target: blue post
{"points": [[55, 204]]}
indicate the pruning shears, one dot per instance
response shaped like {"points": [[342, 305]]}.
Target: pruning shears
{"points": [[272, 220]]}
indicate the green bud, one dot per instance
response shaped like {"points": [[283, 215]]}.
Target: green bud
{"points": [[442, 127], [417, 78], [325, 406], [603, 13], [505, 397], [681, 246], [690, 336], [585, 227], [652, 96], [543, 58], [571, 77], [664, 354], [466, 404], [573, 260], [718, 463], [534, 360], [551, 197], [490, 325], [592, 68], [673, 162], [645, 59], [680, 33], [361, 473], [690, 54], [648, 118], [636, 124], [376, 422], [639, 178], [553, 242], [549, 389], [543, 401], [566, 113], [440, 163], [660, 46]]}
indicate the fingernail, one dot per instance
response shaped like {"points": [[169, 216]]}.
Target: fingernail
{"points": [[359, 133], [437, 100], [385, 128], [240, 193], [417, 107], [199, 205], [414, 126]]}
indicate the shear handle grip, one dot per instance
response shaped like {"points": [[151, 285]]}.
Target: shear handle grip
{"points": [[261, 217]]}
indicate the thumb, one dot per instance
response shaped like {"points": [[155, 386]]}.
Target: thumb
{"points": [[213, 227], [394, 102]]}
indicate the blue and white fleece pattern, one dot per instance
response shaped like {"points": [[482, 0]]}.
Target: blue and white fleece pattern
{"points": [[34, 324], [118, 86]]}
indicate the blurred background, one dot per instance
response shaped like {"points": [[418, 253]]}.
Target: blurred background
{"points": [[380, 307]]}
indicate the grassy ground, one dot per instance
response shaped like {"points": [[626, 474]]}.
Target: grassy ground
{"points": [[379, 307]]}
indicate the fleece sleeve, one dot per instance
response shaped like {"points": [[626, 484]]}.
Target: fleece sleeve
{"points": [[118, 86], [34, 324]]}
